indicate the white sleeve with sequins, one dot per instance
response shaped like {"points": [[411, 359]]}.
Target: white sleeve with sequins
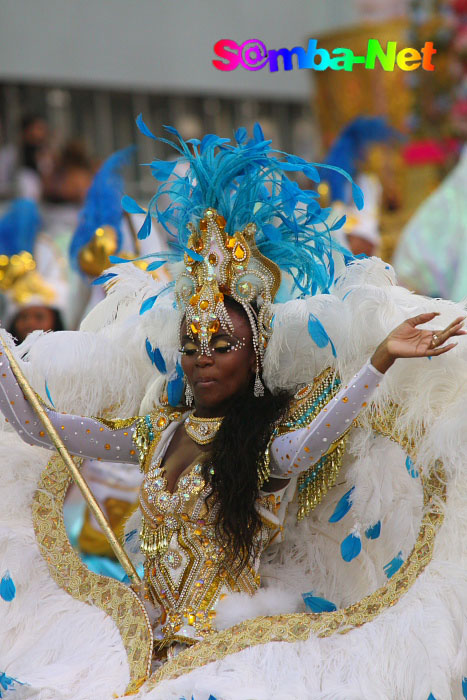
{"points": [[84, 437], [299, 450]]}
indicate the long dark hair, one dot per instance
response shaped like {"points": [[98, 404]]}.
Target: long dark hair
{"points": [[232, 468]]}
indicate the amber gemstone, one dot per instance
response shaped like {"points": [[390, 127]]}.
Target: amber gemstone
{"points": [[212, 259], [219, 298], [194, 299], [203, 225], [191, 619], [214, 327], [239, 252], [203, 305], [198, 245], [230, 242], [220, 221], [193, 328], [161, 422]]}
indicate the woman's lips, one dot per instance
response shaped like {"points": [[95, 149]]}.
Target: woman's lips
{"points": [[204, 381]]}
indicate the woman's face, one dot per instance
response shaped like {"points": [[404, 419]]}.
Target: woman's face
{"points": [[227, 371]]}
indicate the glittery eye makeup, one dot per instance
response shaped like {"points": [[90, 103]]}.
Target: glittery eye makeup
{"points": [[221, 344]]}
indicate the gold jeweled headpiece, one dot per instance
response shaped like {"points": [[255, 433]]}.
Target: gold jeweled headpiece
{"points": [[225, 264]]}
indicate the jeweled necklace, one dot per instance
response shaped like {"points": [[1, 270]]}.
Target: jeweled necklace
{"points": [[202, 430]]}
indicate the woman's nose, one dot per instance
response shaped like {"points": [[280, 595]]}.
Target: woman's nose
{"points": [[203, 360]]}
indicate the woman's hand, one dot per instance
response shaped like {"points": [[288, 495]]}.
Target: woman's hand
{"points": [[409, 341]]}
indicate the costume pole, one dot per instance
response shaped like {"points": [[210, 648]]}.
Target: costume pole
{"points": [[72, 468]]}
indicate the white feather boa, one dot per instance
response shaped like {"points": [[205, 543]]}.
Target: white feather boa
{"points": [[64, 649]]}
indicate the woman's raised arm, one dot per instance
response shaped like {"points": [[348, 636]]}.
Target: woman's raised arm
{"points": [[83, 437], [299, 450]]}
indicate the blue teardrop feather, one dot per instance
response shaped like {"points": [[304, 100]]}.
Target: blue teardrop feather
{"points": [[394, 565], [464, 687], [318, 332], [411, 468], [374, 531], [175, 390], [7, 588], [149, 351], [130, 206], [145, 229], [316, 604], [104, 278], [351, 547], [143, 128], [159, 361], [147, 304], [48, 394], [343, 506]]}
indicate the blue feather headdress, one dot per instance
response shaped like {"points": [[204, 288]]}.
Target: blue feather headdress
{"points": [[350, 148], [246, 182], [102, 206], [19, 227]]}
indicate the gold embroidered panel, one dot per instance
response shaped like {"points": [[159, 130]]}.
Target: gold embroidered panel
{"points": [[66, 568], [298, 627]]}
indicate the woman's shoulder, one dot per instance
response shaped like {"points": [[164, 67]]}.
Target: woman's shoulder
{"points": [[309, 400]]}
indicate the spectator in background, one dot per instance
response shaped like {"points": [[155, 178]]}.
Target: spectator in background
{"points": [[32, 275], [71, 177], [23, 167]]}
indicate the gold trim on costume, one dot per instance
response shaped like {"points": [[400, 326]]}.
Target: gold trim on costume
{"points": [[66, 568]]}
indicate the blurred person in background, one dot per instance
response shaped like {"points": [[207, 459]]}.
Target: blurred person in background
{"points": [[23, 167], [32, 273], [71, 177]]}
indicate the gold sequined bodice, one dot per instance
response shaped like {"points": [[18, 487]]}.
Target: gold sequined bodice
{"points": [[185, 570]]}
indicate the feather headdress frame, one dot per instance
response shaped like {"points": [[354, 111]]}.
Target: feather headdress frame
{"points": [[238, 222]]}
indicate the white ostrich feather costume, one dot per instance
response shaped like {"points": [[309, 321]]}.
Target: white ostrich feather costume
{"points": [[64, 649]]}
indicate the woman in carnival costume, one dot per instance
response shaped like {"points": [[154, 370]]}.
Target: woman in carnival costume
{"points": [[302, 528]]}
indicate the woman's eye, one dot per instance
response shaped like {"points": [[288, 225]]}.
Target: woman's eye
{"points": [[189, 349], [222, 346]]}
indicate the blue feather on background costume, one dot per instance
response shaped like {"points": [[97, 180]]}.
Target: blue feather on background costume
{"points": [[316, 604], [7, 588], [350, 147], [19, 227], [351, 546], [103, 205]]}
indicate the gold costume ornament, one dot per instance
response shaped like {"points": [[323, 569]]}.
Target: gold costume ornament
{"points": [[226, 263], [21, 280]]}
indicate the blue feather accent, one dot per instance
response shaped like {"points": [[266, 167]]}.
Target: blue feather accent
{"points": [[103, 279], [374, 531], [318, 333], [351, 546], [155, 265], [411, 468], [316, 604], [48, 394], [7, 587], [357, 195], [103, 204], [431, 697], [130, 206], [343, 506], [147, 304], [159, 361], [145, 229], [7, 682], [464, 687], [161, 170], [149, 350], [175, 386], [143, 128], [130, 535], [394, 565], [193, 254], [339, 224]]}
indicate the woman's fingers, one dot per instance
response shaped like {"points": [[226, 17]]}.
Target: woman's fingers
{"points": [[441, 350], [422, 318]]}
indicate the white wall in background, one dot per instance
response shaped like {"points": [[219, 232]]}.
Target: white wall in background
{"points": [[159, 44]]}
